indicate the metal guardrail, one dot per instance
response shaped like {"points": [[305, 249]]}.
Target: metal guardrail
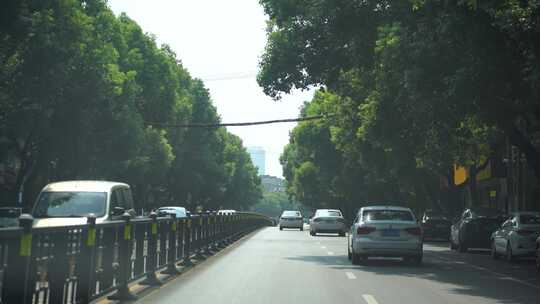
{"points": [[77, 264]]}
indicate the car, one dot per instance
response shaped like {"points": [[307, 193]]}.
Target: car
{"points": [[9, 216], [327, 221], [385, 231], [436, 225], [291, 219], [517, 236], [474, 227], [180, 212], [69, 203]]}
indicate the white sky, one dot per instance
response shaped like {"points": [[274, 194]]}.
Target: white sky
{"points": [[218, 39]]}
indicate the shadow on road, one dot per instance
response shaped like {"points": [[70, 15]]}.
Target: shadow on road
{"points": [[456, 276]]}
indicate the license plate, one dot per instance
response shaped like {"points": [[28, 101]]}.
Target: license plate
{"points": [[389, 232]]}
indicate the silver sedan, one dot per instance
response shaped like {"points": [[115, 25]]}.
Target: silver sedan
{"points": [[385, 231], [327, 221]]}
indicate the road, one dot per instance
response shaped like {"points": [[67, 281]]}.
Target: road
{"points": [[272, 266]]}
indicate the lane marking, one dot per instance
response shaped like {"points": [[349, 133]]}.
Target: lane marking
{"points": [[350, 275], [330, 253], [323, 247], [369, 299], [500, 275]]}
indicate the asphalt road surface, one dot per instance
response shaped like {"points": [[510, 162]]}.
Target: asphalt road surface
{"points": [[272, 266]]}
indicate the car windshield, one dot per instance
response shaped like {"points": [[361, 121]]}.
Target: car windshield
{"points": [[291, 214], [529, 219], [70, 204], [387, 215], [486, 212]]}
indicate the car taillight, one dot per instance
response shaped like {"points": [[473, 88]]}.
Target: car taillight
{"points": [[414, 230], [524, 232], [365, 230]]}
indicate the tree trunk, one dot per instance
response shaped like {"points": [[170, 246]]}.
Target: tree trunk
{"points": [[526, 147]]}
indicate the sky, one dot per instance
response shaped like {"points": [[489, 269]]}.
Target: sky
{"points": [[221, 42]]}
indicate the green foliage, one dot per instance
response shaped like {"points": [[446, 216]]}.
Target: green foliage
{"points": [[83, 94], [416, 86]]}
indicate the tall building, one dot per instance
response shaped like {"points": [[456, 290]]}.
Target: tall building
{"points": [[258, 157]]}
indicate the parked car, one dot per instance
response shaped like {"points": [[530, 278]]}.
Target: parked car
{"points": [[385, 231], [9, 216], [291, 219], [327, 221], [474, 227], [538, 254], [517, 236], [167, 211], [70, 202], [436, 225]]}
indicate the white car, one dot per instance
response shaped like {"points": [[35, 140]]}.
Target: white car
{"points": [[385, 231], [516, 236], [327, 221], [291, 219], [180, 212], [69, 203]]}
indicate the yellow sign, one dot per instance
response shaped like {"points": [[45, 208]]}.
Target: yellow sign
{"points": [[460, 175], [26, 245], [91, 238], [127, 232]]}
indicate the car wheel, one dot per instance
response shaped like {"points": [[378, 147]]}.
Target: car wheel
{"points": [[452, 245], [494, 253], [342, 233], [509, 254], [301, 228], [349, 255], [538, 258], [280, 228], [416, 260], [311, 233], [356, 259], [462, 246]]}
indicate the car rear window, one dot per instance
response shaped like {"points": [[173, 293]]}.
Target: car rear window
{"points": [[70, 204], [291, 213], [329, 213], [529, 219], [388, 215]]}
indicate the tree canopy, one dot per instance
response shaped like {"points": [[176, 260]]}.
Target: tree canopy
{"points": [[415, 87], [84, 94]]}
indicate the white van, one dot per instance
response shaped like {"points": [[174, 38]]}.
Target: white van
{"points": [[69, 203]]}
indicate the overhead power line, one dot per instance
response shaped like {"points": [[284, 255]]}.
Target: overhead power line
{"points": [[239, 124]]}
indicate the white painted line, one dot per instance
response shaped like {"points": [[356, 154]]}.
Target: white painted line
{"points": [[350, 275], [500, 275], [323, 247], [370, 299], [330, 253]]}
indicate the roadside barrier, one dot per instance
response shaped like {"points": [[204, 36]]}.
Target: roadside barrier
{"points": [[78, 264]]}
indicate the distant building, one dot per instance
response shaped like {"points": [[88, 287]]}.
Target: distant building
{"points": [[258, 157], [272, 183]]}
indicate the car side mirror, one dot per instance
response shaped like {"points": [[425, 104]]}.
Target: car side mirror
{"points": [[117, 211]]}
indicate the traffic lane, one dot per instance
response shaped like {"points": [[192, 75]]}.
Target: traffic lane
{"points": [[523, 269], [263, 269], [438, 280]]}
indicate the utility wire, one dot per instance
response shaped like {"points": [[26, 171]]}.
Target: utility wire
{"points": [[239, 124]]}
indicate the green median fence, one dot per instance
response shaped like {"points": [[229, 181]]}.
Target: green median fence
{"points": [[78, 264]]}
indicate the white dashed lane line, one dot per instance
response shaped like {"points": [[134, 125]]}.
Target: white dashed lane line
{"points": [[330, 253], [369, 299], [350, 275], [323, 247]]}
